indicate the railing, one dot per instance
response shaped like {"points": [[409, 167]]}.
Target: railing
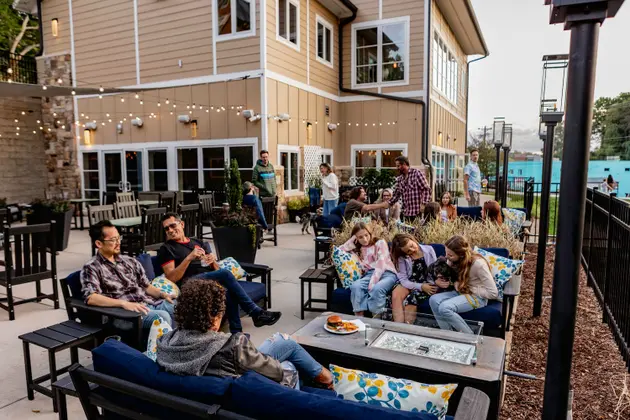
{"points": [[18, 69], [606, 258], [531, 202], [451, 186]]}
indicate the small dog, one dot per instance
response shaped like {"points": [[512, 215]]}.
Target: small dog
{"points": [[307, 219], [441, 268]]}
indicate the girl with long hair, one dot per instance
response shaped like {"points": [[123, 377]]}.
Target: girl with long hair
{"points": [[431, 212], [491, 212], [448, 211], [370, 291], [389, 214], [474, 286]]}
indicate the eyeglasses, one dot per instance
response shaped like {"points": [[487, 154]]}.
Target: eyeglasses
{"points": [[171, 226], [115, 240]]}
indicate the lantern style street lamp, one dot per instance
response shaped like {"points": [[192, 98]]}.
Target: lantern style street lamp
{"points": [[507, 145], [497, 140]]}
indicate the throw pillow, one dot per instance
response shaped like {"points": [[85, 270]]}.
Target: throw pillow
{"points": [[385, 391], [514, 219], [367, 220], [347, 265], [165, 285], [231, 265], [502, 268], [158, 329]]}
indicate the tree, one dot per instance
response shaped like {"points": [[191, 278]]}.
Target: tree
{"points": [[609, 125], [16, 35], [558, 141], [487, 154]]}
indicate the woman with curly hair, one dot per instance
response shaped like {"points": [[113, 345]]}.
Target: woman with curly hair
{"points": [[196, 347]]}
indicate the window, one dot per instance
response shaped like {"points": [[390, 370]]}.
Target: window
{"points": [[288, 12], [452, 170], [379, 157], [324, 42], [445, 69], [91, 182], [520, 172], [327, 156], [438, 161], [235, 19], [187, 169], [158, 170], [210, 168], [289, 158], [381, 53]]}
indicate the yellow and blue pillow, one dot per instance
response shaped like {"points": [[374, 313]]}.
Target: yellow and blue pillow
{"points": [[348, 266], [502, 268], [231, 265], [165, 285], [385, 391], [514, 220], [158, 329]]}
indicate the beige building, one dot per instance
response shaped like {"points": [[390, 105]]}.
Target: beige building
{"points": [[224, 79]]}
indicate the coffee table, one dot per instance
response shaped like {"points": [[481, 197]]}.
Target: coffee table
{"points": [[358, 351]]}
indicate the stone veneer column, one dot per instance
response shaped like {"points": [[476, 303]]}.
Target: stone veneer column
{"points": [[59, 131]]}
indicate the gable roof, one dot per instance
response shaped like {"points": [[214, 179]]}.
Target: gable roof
{"points": [[463, 22]]}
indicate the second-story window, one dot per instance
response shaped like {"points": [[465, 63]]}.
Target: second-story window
{"points": [[381, 53], [289, 22], [445, 69], [235, 19], [324, 42]]}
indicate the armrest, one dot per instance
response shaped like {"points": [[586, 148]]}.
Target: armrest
{"points": [[527, 224], [473, 405], [117, 313], [258, 269], [513, 287]]}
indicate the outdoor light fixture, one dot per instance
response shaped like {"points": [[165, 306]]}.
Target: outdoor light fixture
{"points": [[185, 119], [119, 128], [137, 122], [90, 125], [248, 113], [193, 129], [284, 117], [507, 137], [332, 126], [55, 27], [497, 139], [87, 136]]}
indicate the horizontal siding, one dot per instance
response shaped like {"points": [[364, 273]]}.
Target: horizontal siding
{"points": [[104, 42], [240, 54], [322, 76], [56, 9], [282, 58], [452, 128]]}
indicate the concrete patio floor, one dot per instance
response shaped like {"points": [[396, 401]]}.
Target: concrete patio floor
{"points": [[293, 255]]}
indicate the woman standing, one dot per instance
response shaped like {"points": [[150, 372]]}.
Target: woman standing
{"points": [[474, 286], [391, 214], [330, 188], [448, 211]]}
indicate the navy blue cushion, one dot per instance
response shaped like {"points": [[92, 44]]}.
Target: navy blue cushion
{"points": [[440, 250], [340, 301], [319, 391], [118, 359], [340, 210], [255, 290], [472, 212], [490, 315], [501, 252], [74, 283], [269, 400], [157, 268], [147, 264]]}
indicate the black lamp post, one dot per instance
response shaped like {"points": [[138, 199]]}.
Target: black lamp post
{"points": [[583, 18], [497, 140], [507, 145]]}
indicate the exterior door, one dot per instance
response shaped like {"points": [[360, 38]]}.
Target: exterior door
{"points": [[123, 172], [133, 171]]}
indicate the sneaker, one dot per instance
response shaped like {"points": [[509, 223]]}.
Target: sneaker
{"points": [[266, 318]]}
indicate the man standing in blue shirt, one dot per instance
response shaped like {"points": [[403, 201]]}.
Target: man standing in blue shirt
{"points": [[472, 179]]}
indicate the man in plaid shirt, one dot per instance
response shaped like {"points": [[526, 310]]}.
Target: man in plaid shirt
{"points": [[412, 187]]}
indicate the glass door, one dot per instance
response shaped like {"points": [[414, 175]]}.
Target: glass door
{"points": [[113, 175], [133, 171]]}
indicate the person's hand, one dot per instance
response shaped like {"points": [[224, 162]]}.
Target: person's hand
{"points": [[429, 289], [136, 307], [196, 254], [442, 283], [210, 259], [457, 286], [167, 297], [467, 196]]}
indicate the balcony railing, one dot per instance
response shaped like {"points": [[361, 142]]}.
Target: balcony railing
{"points": [[17, 69]]}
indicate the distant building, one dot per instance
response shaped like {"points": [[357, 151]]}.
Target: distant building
{"points": [[525, 157]]}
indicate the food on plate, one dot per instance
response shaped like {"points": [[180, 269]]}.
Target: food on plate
{"points": [[334, 322], [349, 326]]}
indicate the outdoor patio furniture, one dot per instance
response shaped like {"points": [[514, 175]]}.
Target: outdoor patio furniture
{"points": [[256, 396], [322, 245], [270, 209], [64, 388], [78, 216], [309, 277], [168, 199], [148, 196], [26, 261], [99, 213], [125, 197], [473, 213], [53, 339], [207, 204], [190, 215], [152, 232], [126, 209], [4, 219]]}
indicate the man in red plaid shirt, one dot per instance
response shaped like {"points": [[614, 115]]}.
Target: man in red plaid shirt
{"points": [[412, 187]]}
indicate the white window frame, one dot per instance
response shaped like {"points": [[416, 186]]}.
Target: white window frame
{"points": [[379, 73], [285, 39], [234, 34], [283, 148], [327, 25], [354, 148], [445, 74], [97, 170], [328, 152], [147, 184]]}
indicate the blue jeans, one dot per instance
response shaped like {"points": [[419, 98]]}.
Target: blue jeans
{"points": [[447, 306], [329, 205], [163, 309], [286, 350], [236, 297], [374, 300]]}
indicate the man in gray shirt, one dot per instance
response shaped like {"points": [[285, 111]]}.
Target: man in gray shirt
{"points": [[356, 205]]}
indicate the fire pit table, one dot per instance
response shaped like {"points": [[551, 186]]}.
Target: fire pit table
{"points": [[413, 352]]}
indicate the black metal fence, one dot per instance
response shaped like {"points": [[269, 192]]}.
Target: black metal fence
{"points": [[18, 69], [606, 258], [531, 202], [452, 186]]}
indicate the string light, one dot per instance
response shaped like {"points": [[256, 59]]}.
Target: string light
{"points": [[167, 101], [73, 93], [137, 96], [44, 87], [100, 89]]}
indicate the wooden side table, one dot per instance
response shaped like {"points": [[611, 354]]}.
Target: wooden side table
{"points": [[310, 276]]}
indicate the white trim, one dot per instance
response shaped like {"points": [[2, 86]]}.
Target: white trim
{"points": [[380, 9], [427, 46], [135, 38], [249, 74], [290, 149], [446, 108], [243, 141], [43, 56], [450, 52], [329, 152], [320, 20], [282, 39], [75, 103], [233, 34], [263, 34], [264, 124], [443, 150], [379, 25], [308, 41], [381, 146]]}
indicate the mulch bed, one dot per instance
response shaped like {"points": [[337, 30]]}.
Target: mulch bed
{"points": [[598, 374]]}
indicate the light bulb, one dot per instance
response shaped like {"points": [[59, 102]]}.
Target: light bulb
{"points": [[167, 101], [101, 97], [122, 99], [107, 115], [44, 87], [159, 104], [73, 92], [141, 102], [101, 89], [137, 96]]}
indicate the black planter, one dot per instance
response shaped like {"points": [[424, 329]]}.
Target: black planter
{"points": [[63, 223], [235, 242], [293, 214]]}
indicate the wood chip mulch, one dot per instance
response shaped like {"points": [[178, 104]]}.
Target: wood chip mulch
{"points": [[598, 374]]}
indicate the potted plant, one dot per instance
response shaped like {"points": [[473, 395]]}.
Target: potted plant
{"points": [[314, 191], [44, 211], [235, 229], [296, 206]]}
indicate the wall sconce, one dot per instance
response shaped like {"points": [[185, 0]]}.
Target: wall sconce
{"points": [[137, 122], [185, 119], [439, 138], [55, 27], [119, 128], [332, 126], [90, 125], [87, 136], [283, 117], [193, 129]]}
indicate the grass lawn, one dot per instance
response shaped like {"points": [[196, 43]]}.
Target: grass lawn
{"points": [[553, 208]]}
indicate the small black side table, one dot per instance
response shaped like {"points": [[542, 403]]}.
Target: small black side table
{"points": [[322, 244], [64, 387], [66, 335], [311, 276]]}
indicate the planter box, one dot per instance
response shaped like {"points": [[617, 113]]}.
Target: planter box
{"points": [[63, 223], [293, 214], [236, 242]]}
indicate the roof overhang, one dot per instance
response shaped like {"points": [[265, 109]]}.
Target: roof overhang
{"points": [[37, 91], [463, 22], [340, 8], [26, 6]]}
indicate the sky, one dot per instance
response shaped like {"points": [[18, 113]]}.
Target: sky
{"points": [[507, 83]]}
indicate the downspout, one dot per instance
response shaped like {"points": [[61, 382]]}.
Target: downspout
{"points": [[423, 127], [467, 92], [41, 29]]}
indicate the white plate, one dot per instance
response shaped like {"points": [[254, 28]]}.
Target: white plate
{"points": [[343, 332]]}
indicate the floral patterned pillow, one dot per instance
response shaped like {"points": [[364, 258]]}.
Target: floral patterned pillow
{"points": [[348, 266], [367, 220], [385, 391], [165, 285], [158, 329], [231, 265], [502, 269], [514, 219]]}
